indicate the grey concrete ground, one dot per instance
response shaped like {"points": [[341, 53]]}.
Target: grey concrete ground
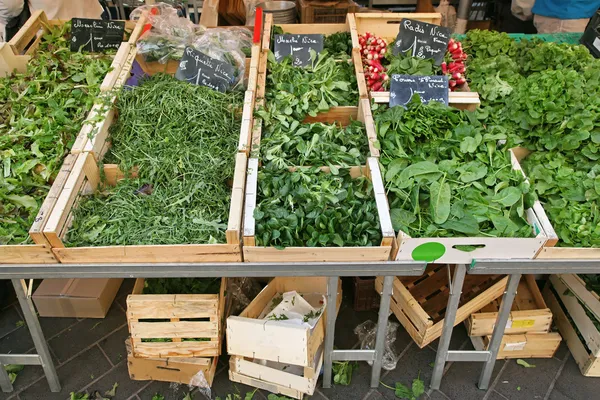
{"points": [[90, 355]]}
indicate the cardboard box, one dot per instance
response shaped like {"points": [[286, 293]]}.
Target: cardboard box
{"points": [[81, 298]]}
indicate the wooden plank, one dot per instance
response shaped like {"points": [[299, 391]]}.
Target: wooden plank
{"points": [[317, 254], [342, 115], [408, 306], [386, 25], [150, 253], [116, 67], [531, 345], [577, 286], [176, 349], [28, 31], [251, 193], [26, 254], [325, 29], [175, 369], [266, 37], [269, 387], [159, 306], [364, 115], [10, 62], [236, 208], [461, 100], [180, 329]]}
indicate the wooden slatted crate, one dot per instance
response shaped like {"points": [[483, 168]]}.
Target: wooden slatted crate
{"points": [[528, 345], [529, 313], [575, 325], [420, 302], [252, 252], [176, 317]]}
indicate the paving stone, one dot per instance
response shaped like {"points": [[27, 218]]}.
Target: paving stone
{"points": [[495, 396], [403, 339], [459, 336], [358, 388], [460, 382], [520, 383], [347, 320], [16, 342], [85, 333], [573, 384], [73, 375], [374, 394], [562, 351], [114, 345], [414, 363], [124, 291], [9, 319], [557, 395], [120, 375], [222, 386], [170, 391], [52, 326], [436, 395]]}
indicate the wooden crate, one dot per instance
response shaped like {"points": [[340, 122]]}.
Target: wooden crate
{"points": [[174, 369], [143, 311], [486, 247], [577, 329], [387, 25], [528, 345], [529, 313], [272, 254], [420, 302], [324, 12], [285, 379], [255, 338]]}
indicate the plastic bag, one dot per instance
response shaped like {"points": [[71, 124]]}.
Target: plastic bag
{"points": [[226, 45], [367, 331], [169, 35]]}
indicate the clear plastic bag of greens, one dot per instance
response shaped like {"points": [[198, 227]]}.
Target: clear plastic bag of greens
{"points": [[367, 331], [169, 33], [227, 44]]}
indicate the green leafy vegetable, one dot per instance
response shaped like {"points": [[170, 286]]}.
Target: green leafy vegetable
{"points": [[342, 372], [524, 363]]}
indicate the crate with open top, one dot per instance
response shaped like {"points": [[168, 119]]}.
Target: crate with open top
{"points": [[36, 61], [191, 214]]}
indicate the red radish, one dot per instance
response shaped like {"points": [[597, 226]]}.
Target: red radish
{"points": [[376, 86], [452, 84], [461, 81], [444, 68], [456, 75]]}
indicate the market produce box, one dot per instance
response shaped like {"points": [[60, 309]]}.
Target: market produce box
{"points": [[419, 302], [528, 345], [576, 312], [163, 326], [38, 48], [529, 313], [75, 298], [90, 180]]}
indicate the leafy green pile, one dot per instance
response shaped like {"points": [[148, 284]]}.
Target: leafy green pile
{"points": [[338, 43], [41, 113], [405, 65], [302, 91], [182, 140], [182, 286], [446, 175], [311, 208], [296, 144]]}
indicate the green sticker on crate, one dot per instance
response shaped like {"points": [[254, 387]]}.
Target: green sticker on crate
{"points": [[429, 252]]}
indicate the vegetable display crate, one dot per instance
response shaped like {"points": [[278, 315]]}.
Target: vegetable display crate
{"points": [[575, 323], [386, 26], [529, 313], [175, 317], [549, 251], [279, 358], [365, 296], [420, 302], [528, 345], [324, 12], [252, 252], [450, 250]]}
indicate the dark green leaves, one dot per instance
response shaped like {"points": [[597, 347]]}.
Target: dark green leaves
{"points": [[439, 201]]}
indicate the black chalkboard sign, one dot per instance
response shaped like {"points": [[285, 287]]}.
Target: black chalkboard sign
{"points": [[298, 46], [429, 88], [198, 68], [422, 40], [96, 35]]}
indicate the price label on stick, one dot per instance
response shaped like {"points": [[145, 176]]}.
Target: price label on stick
{"points": [[198, 68], [422, 40], [429, 88], [96, 35], [298, 46]]}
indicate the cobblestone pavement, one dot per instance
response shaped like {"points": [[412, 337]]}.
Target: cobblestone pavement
{"points": [[90, 355]]}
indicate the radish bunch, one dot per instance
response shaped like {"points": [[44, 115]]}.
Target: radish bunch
{"points": [[372, 52], [455, 69]]}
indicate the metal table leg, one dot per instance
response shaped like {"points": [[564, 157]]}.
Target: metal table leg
{"points": [[5, 380], [37, 335], [503, 314], [442, 351], [332, 288], [382, 322]]}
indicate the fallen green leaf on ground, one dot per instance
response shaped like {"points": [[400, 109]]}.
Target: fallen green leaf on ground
{"points": [[524, 363]]}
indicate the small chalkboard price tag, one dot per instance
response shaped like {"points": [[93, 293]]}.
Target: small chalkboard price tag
{"points": [[298, 46], [429, 88], [198, 68], [96, 35], [422, 40]]}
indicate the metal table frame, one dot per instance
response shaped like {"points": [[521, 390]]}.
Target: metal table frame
{"points": [[387, 269]]}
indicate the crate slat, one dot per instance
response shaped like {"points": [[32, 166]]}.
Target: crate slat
{"points": [[159, 306], [178, 329]]}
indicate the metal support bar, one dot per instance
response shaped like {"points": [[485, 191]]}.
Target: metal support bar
{"points": [[474, 356], [36, 335], [332, 288], [503, 314], [382, 321], [538, 266], [453, 300], [5, 383], [20, 359], [353, 355]]}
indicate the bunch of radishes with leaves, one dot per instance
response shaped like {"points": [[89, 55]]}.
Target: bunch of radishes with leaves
{"points": [[454, 65], [372, 52]]}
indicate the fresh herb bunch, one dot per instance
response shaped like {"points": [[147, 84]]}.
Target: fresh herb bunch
{"points": [[286, 144], [446, 175], [543, 56], [182, 286], [338, 43], [302, 91], [311, 208], [494, 78], [180, 137], [486, 44], [406, 65], [41, 113]]}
